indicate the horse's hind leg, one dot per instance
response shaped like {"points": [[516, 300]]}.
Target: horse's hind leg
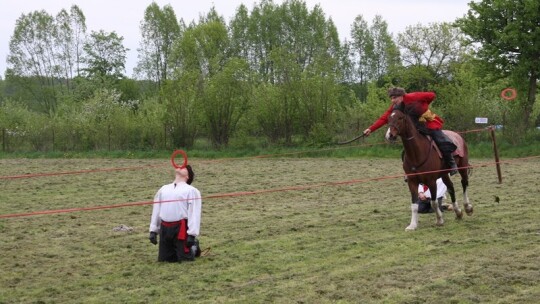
{"points": [[466, 203], [452, 192], [438, 213]]}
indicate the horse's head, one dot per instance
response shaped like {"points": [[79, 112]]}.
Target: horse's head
{"points": [[397, 125]]}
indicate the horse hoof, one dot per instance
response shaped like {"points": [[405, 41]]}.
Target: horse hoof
{"points": [[410, 228], [459, 215], [441, 223], [469, 211]]}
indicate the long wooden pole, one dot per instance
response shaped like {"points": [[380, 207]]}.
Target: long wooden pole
{"points": [[496, 153]]}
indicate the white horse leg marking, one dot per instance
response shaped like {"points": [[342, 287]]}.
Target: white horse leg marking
{"points": [[414, 218], [457, 210], [438, 213], [465, 198], [467, 204], [387, 135]]}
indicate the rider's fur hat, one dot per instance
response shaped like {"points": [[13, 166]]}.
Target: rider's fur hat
{"points": [[396, 92]]}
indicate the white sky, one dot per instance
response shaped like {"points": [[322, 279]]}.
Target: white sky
{"points": [[124, 16]]}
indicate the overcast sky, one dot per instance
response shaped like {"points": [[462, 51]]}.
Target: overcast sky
{"points": [[124, 16]]}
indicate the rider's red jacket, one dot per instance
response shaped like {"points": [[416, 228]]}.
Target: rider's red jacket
{"points": [[418, 102]]}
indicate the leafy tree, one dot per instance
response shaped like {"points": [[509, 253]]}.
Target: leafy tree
{"points": [[374, 52], [226, 99], [32, 61], [13, 120], [305, 34], [32, 46], [150, 121], [181, 116], [222, 84], [45, 54], [240, 28], [428, 53], [363, 49], [160, 30], [289, 47], [508, 38], [70, 39], [262, 37], [130, 89], [204, 47], [386, 53], [269, 112], [105, 56], [318, 105], [104, 116], [458, 100], [2, 90]]}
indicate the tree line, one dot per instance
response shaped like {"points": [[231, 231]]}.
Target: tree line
{"points": [[275, 73]]}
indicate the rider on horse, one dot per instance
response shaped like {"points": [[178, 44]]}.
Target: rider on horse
{"points": [[427, 122]]}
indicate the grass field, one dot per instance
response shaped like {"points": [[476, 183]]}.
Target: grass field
{"points": [[314, 244]]}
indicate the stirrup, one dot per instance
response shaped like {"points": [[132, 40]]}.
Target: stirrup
{"points": [[453, 170]]}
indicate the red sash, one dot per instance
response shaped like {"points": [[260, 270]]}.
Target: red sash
{"points": [[182, 232]]}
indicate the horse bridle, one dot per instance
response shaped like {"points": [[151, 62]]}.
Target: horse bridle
{"points": [[392, 125]]}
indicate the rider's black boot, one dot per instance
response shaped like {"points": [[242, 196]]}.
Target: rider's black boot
{"points": [[449, 159]]}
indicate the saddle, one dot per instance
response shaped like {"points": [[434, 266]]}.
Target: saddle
{"points": [[455, 138]]}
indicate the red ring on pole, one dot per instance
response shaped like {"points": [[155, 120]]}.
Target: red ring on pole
{"points": [[173, 156], [512, 96]]}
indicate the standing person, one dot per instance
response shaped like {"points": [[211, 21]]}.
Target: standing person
{"points": [[427, 122], [424, 197], [176, 217]]}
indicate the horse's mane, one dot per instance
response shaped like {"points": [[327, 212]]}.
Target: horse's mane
{"points": [[409, 112]]}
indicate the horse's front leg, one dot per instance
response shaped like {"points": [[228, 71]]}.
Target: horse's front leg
{"points": [[414, 218], [413, 188]]}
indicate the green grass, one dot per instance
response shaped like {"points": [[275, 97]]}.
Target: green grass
{"points": [[323, 244]]}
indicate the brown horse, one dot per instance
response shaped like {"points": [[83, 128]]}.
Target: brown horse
{"points": [[423, 164]]}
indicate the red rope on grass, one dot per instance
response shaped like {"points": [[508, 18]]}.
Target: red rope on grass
{"points": [[77, 172], [155, 166], [255, 192], [207, 161]]}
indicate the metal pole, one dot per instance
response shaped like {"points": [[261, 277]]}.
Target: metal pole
{"points": [[496, 153]]}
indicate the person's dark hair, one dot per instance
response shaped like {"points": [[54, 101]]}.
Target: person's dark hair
{"points": [[396, 92], [191, 175]]}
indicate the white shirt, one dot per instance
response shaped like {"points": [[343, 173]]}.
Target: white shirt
{"points": [[174, 202], [441, 189]]}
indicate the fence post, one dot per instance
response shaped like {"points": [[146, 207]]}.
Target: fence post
{"points": [[496, 153]]}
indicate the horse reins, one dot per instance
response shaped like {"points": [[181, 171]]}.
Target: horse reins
{"points": [[425, 160]]}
